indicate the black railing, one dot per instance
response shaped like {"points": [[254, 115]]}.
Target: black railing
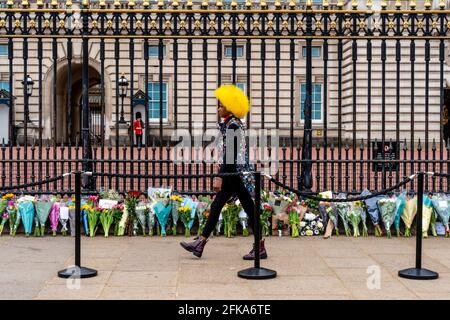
{"points": [[371, 86]]}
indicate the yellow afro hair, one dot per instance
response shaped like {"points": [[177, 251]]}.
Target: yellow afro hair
{"points": [[233, 99]]}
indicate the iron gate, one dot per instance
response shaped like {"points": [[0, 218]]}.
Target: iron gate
{"points": [[353, 92]]}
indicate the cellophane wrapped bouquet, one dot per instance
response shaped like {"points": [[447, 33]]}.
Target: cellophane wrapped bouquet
{"points": [[230, 215], [43, 206], [441, 204], [176, 201], [27, 213], [162, 206], [203, 209], [4, 215], [354, 215], [388, 209], [184, 213], [373, 211]]}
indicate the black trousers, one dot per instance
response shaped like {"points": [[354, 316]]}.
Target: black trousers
{"points": [[139, 140], [231, 185]]}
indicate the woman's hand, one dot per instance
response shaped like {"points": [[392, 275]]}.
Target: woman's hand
{"points": [[217, 184]]}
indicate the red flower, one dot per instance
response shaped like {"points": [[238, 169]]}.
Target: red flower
{"points": [[267, 206], [134, 194]]}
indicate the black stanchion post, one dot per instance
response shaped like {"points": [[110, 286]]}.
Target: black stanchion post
{"points": [[257, 272], [77, 271], [418, 273]]}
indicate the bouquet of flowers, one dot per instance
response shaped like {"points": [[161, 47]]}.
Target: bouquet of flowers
{"points": [[427, 212], [203, 208], [388, 208], [63, 218], [110, 195], [280, 200], [43, 207], [400, 206], [343, 208], [185, 216], [266, 214], [243, 220], [294, 222], [330, 209], [131, 201], [93, 201], [176, 203], [84, 218], [312, 225], [3, 212], [54, 216], [117, 212], [141, 214], [408, 214], [374, 212], [106, 219], [93, 218], [355, 216], [27, 212], [162, 212], [230, 215], [14, 218], [122, 225], [441, 206]]}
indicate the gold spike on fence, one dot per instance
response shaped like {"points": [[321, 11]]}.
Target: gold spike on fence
{"points": [[369, 4], [412, 4], [25, 3], [442, 4], [326, 4], [427, 4]]}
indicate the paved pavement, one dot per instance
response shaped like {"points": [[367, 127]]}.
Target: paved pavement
{"points": [[155, 268]]}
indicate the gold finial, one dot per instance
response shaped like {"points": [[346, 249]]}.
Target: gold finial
{"points": [[219, 4], [85, 3], [308, 3], [40, 3], [54, 3], [131, 4], [442, 4], [205, 4], [25, 3], [233, 4], [412, 4], [248, 4], [369, 4], [325, 4], [263, 4], [355, 4], [117, 4], [340, 4], [102, 4], [278, 4], [10, 3], [383, 4], [68, 3], [161, 3], [292, 4], [189, 4], [145, 4], [427, 4], [398, 4], [175, 4]]}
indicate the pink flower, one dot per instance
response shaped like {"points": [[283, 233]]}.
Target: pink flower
{"points": [[5, 215]]}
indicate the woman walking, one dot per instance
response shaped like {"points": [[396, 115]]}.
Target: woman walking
{"points": [[233, 106]]}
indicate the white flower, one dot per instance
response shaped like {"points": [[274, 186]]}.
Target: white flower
{"points": [[309, 233], [310, 216], [320, 225], [316, 232], [313, 223], [302, 224]]}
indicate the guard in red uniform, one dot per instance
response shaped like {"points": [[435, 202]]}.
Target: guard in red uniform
{"points": [[138, 129]]}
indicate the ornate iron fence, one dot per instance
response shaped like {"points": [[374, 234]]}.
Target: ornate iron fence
{"points": [[344, 85]]}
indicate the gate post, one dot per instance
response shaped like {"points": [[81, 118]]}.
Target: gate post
{"points": [[87, 150], [306, 176]]}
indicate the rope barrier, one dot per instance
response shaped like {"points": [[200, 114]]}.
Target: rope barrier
{"points": [[168, 176], [309, 195], [437, 174]]}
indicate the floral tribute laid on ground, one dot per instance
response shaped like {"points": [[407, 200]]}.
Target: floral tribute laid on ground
{"points": [[162, 212]]}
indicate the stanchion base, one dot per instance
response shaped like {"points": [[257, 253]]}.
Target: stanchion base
{"points": [[418, 274], [257, 273], [77, 272]]}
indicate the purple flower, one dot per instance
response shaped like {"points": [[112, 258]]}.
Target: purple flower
{"points": [[5, 215]]}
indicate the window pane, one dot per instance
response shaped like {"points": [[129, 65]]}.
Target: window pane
{"points": [[155, 101], [316, 52], [316, 108], [153, 51], [3, 49], [4, 85]]}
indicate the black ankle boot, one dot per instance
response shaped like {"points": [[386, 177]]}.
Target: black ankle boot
{"points": [[196, 247]]}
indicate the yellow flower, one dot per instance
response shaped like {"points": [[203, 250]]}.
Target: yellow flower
{"points": [[176, 198], [71, 207], [8, 196]]}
